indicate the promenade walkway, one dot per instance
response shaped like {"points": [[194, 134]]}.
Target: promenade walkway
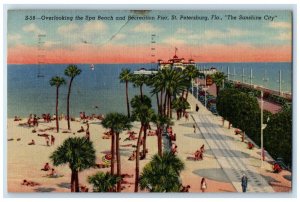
{"points": [[229, 151]]}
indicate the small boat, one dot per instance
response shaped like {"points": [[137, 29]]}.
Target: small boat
{"points": [[92, 67]]}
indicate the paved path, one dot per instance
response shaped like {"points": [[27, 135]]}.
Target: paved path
{"points": [[232, 160]]}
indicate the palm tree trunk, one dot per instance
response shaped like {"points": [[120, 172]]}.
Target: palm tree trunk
{"points": [[68, 103], [141, 91], [170, 102], [137, 161], [112, 161], [76, 181], [218, 89], [144, 141], [118, 161], [56, 110], [128, 109], [161, 102], [72, 181], [159, 141], [187, 93], [157, 101], [165, 103]]}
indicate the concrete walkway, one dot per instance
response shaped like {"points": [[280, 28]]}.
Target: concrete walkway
{"points": [[230, 155]]}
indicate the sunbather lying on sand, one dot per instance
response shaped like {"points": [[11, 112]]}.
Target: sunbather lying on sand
{"points": [[32, 142], [30, 183], [10, 139], [80, 130], [132, 156], [17, 118], [43, 134]]}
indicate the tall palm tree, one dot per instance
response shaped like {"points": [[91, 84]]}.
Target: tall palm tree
{"points": [[162, 173], [71, 71], [104, 182], [117, 123], [191, 72], [138, 81], [78, 153], [126, 76], [160, 121], [57, 82], [142, 113], [218, 79]]}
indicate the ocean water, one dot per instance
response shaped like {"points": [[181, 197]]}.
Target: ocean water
{"points": [[28, 93]]}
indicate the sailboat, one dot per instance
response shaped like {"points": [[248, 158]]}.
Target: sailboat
{"points": [[92, 67]]}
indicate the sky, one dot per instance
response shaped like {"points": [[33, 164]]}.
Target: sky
{"points": [[205, 39]]}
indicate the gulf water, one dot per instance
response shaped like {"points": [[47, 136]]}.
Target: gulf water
{"points": [[27, 93]]}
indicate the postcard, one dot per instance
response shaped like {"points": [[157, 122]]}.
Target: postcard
{"points": [[143, 101]]}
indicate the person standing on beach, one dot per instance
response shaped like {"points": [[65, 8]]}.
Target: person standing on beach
{"points": [[197, 108], [52, 140], [244, 182], [194, 128], [203, 185]]}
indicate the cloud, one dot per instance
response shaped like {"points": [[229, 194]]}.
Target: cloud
{"points": [[33, 28], [284, 36], [89, 32], [51, 44], [94, 27], [280, 25], [182, 31], [218, 34], [174, 41], [146, 27], [67, 30], [14, 37]]}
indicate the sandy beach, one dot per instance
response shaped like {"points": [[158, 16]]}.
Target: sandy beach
{"points": [[25, 161]]}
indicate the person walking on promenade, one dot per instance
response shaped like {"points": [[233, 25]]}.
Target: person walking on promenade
{"points": [[194, 128], [244, 182], [197, 108], [203, 185]]}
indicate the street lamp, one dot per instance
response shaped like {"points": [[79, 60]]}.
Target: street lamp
{"points": [[262, 126]]}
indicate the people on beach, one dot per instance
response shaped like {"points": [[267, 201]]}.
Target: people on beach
{"points": [[35, 121], [276, 168], [32, 142], [197, 108], [46, 167], [52, 140], [17, 118], [186, 115], [29, 120], [52, 173], [185, 188], [244, 181], [80, 130], [173, 137], [202, 148], [47, 140], [203, 185], [132, 156], [194, 128], [174, 149], [29, 183]]}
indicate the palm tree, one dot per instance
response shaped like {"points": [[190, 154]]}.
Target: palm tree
{"points": [[78, 153], [135, 103], [191, 72], [160, 121], [71, 71], [117, 123], [126, 76], [138, 81], [218, 79], [104, 182], [57, 82], [142, 113], [162, 174]]}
